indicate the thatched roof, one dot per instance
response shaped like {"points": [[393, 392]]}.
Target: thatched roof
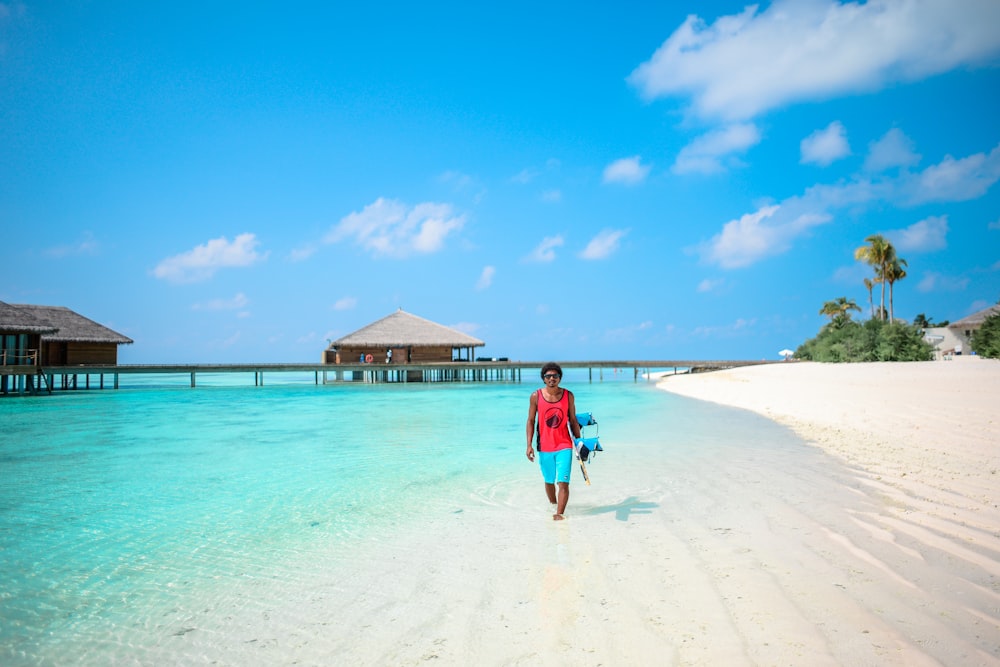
{"points": [[403, 329], [975, 320], [14, 319], [65, 326]]}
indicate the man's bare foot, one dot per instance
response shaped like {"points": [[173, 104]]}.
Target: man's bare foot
{"points": [[558, 517]]}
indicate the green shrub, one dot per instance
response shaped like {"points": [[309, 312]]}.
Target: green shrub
{"points": [[872, 340], [986, 339]]}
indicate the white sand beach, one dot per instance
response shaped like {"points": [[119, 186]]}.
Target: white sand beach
{"points": [[929, 430], [923, 440], [874, 542]]}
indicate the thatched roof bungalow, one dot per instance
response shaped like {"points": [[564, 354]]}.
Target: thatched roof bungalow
{"points": [[20, 336], [15, 320], [410, 339], [69, 339]]}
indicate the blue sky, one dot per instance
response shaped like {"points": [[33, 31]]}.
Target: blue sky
{"points": [[230, 182]]}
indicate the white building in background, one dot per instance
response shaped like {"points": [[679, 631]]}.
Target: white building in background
{"points": [[956, 338], [964, 327], [945, 341]]}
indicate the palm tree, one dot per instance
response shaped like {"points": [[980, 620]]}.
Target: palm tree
{"points": [[839, 310], [878, 254], [869, 284], [893, 272]]}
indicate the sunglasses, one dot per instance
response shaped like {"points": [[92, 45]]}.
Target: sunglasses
{"points": [[550, 376]]}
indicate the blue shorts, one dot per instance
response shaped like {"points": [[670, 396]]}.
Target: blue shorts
{"points": [[556, 465]]}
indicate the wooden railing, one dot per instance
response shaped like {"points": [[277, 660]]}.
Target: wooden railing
{"points": [[16, 358]]}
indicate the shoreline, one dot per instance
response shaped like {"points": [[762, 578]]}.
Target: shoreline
{"points": [[711, 534], [923, 441], [932, 424]]}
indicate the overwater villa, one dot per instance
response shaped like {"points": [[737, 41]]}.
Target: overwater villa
{"points": [[33, 337], [402, 338]]}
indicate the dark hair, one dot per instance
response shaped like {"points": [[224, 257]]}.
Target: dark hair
{"points": [[551, 366]]}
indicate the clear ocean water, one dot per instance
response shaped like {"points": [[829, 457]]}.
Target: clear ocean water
{"points": [[122, 511]]}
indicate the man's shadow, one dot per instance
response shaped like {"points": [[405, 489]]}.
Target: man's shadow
{"points": [[625, 508]]}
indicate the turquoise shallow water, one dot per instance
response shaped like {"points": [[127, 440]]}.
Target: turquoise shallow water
{"points": [[121, 508]]}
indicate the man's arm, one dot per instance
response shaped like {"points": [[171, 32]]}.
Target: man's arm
{"points": [[574, 425], [529, 429]]}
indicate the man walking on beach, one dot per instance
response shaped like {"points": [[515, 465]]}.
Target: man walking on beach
{"points": [[554, 410]]}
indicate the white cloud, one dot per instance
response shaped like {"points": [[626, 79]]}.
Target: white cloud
{"points": [[545, 251], [204, 260], [955, 180], [235, 303], [823, 147], [746, 64], [938, 282], [345, 303], [551, 196], [460, 182], [387, 227], [705, 154], [627, 333], [924, 236], [528, 174], [486, 277], [604, 244], [893, 149], [303, 252], [739, 327], [434, 229], [994, 225], [85, 246], [627, 170], [525, 176], [456, 179], [754, 236], [773, 229], [710, 285]]}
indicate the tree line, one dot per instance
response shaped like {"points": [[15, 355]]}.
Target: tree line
{"points": [[889, 268], [880, 338]]}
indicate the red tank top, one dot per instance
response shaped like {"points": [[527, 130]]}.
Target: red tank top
{"points": [[553, 425]]}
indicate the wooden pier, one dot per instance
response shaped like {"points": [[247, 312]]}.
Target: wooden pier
{"points": [[41, 379]]}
